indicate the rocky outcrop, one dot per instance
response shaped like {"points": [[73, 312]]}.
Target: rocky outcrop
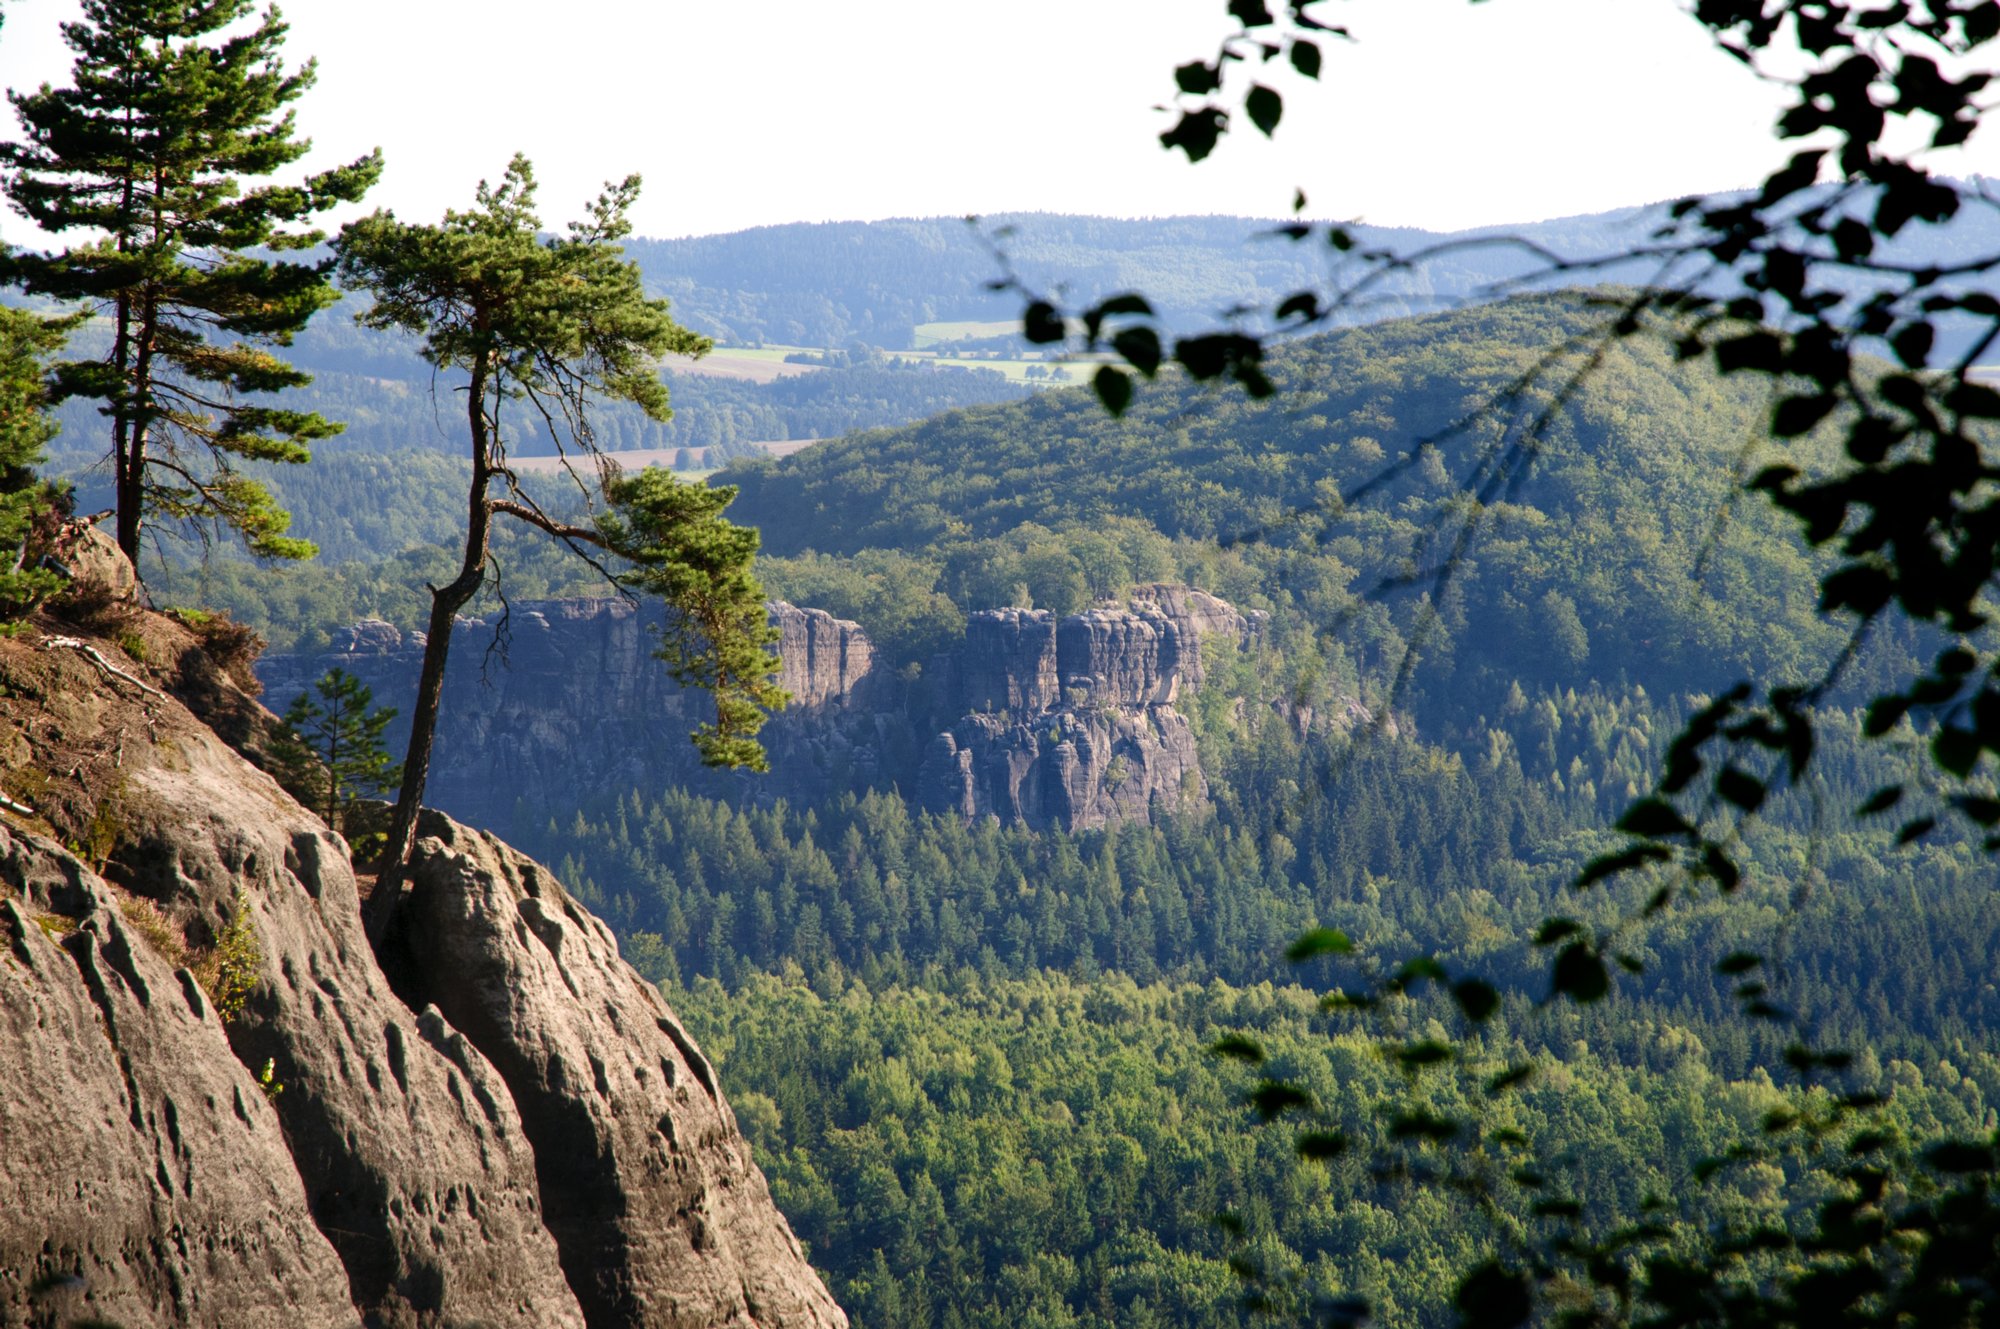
{"points": [[1073, 722], [1036, 719], [561, 697], [823, 659], [645, 1181], [335, 1151], [147, 1178], [1065, 768], [1009, 661]]}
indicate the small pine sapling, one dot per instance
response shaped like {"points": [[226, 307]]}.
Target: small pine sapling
{"points": [[332, 753]]}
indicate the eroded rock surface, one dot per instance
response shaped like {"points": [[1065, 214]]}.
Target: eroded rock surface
{"points": [[1073, 721], [1009, 661], [332, 1153], [1065, 768], [822, 659], [413, 1157], [147, 1180], [647, 1184]]}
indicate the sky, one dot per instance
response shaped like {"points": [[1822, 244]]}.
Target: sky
{"points": [[1442, 114]]}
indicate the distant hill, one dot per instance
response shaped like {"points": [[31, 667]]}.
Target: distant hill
{"points": [[920, 284], [1614, 552], [880, 282]]}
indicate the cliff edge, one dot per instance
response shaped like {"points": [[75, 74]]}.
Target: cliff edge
{"points": [[1072, 722], [220, 1109]]}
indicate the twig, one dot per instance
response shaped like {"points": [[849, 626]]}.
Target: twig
{"points": [[96, 657]]}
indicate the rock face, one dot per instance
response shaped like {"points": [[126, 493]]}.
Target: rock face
{"points": [[1073, 721], [1009, 662], [147, 1179], [645, 1181], [1066, 722], [824, 658], [335, 1152], [564, 695], [1064, 768]]}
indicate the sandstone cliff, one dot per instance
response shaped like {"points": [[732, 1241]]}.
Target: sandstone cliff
{"points": [[1072, 722], [514, 1131], [564, 696], [1069, 722]]}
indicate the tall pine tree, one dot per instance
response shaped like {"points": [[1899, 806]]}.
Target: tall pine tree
{"points": [[175, 103]]}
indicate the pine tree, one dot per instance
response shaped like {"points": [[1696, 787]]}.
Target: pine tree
{"points": [[560, 322], [332, 751], [719, 636], [25, 340], [147, 154]]}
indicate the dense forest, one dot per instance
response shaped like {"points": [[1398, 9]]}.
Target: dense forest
{"points": [[972, 1057]]}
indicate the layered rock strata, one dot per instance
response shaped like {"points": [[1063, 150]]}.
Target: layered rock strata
{"points": [[1073, 722], [1035, 719]]}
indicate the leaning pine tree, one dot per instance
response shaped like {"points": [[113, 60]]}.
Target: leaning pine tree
{"points": [[146, 155], [560, 322]]}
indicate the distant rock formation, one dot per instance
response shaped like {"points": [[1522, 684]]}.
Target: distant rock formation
{"points": [[562, 698], [1038, 720], [1072, 721], [453, 1139]]}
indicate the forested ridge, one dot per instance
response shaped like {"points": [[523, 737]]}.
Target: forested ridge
{"points": [[827, 283], [1617, 552], [971, 1057]]}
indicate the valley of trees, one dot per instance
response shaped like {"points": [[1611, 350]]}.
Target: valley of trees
{"points": [[1615, 585], [1574, 639], [845, 959], [995, 1075]]}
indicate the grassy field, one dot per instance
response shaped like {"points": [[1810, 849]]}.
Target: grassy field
{"points": [[764, 363], [929, 335], [755, 364], [640, 458]]}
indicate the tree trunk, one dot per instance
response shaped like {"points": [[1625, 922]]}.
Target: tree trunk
{"points": [[132, 485], [446, 601], [128, 468], [125, 492]]}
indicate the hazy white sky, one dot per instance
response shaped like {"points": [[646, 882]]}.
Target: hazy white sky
{"points": [[1445, 114]]}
